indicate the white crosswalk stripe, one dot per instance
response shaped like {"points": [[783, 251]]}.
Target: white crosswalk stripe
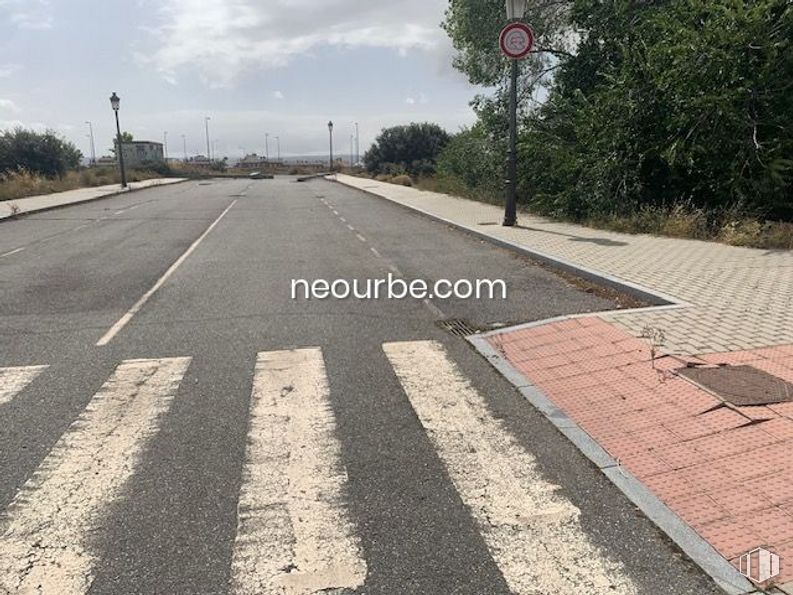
{"points": [[533, 533], [14, 380], [43, 534], [294, 534]]}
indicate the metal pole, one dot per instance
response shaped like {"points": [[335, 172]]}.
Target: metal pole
{"points": [[93, 146], [352, 150], [184, 147], [165, 145], [267, 146], [331, 150], [278, 140], [121, 154], [357, 144], [511, 214], [209, 149]]}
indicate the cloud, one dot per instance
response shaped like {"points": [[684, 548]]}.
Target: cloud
{"points": [[7, 70], [29, 14], [278, 95], [221, 39], [8, 105], [420, 99]]}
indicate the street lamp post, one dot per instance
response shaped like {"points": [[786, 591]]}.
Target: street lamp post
{"points": [[352, 150], [165, 145], [357, 144], [330, 130], [209, 149], [516, 10], [267, 146], [278, 140], [115, 101], [93, 146], [184, 147]]}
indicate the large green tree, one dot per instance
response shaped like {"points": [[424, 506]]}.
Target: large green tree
{"points": [[413, 149]]}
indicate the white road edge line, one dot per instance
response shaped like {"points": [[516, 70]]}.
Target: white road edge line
{"points": [[532, 531], [14, 380], [124, 320], [294, 534], [360, 237], [52, 520], [17, 251]]}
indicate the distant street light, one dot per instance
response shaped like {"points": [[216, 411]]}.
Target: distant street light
{"points": [[278, 140], [165, 145], [115, 101], [352, 150], [330, 130], [209, 150], [267, 146], [516, 9], [184, 146], [93, 146], [357, 144]]}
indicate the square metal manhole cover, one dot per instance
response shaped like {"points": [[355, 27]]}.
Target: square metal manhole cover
{"points": [[741, 385]]}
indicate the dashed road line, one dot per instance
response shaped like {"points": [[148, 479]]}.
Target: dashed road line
{"points": [[14, 380], [17, 251], [360, 237]]}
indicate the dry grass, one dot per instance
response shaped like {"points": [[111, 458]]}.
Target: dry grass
{"points": [[402, 180], [21, 184]]}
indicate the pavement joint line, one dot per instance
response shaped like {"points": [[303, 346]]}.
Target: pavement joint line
{"points": [[124, 320], [693, 545]]}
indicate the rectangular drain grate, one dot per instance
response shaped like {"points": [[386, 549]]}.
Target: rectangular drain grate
{"points": [[741, 385], [459, 327]]}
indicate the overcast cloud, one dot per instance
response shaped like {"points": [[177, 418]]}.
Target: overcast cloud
{"points": [[254, 66]]}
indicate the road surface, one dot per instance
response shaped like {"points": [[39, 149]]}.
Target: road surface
{"points": [[174, 422]]}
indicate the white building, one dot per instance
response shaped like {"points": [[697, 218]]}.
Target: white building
{"points": [[139, 152]]}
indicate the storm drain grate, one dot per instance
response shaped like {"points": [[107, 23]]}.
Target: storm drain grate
{"points": [[459, 327], [741, 385]]}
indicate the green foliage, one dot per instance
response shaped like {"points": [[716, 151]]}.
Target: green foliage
{"points": [[126, 137], [474, 159], [411, 149], [46, 154]]}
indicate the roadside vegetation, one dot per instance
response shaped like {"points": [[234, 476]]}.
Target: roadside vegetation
{"points": [[671, 118]]}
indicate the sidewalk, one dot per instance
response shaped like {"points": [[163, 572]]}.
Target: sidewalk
{"points": [[724, 469], [45, 202]]}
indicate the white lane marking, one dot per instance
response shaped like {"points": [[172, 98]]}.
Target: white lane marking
{"points": [[17, 251], [294, 535], [350, 227], [532, 531], [360, 237], [124, 320], [342, 219], [335, 212], [14, 380], [394, 270], [375, 252], [132, 208], [45, 537], [433, 308]]}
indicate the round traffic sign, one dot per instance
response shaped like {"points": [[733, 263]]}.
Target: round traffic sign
{"points": [[517, 40]]}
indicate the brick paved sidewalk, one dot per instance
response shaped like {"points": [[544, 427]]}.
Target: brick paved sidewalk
{"points": [[738, 298], [33, 204], [726, 471]]}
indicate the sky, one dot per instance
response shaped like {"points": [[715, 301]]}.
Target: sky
{"points": [[283, 67]]}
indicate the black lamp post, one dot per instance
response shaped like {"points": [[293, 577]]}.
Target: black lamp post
{"points": [[330, 130], [116, 103]]}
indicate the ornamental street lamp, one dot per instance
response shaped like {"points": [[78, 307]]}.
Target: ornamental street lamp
{"points": [[115, 101], [330, 131], [516, 10], [93, 146], [209, 148]]}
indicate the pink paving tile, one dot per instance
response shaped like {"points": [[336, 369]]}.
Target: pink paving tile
{"points": [[697, 509], [783, 409], [773, 525], [780, 427], [777, 489], [722, 419], [740, 499], [655, 437], [681, 456], [759, 413], [644, 464], [732, 442], [730, 537], [672, 485], [688, 428]]}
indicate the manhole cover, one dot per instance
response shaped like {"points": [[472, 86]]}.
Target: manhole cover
{"points": [[459, 327], [741, 385]]}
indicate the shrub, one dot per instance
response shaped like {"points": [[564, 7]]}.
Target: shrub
{"points": [[45, 154], [402, 180], [412, 149]]}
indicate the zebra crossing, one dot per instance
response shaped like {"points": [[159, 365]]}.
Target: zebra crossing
{"points": [[296, 533]]}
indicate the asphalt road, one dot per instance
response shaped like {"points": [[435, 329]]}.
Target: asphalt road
{"points": [[230, 439]]}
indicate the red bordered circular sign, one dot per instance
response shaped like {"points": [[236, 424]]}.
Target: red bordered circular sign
{"points": [[517, 40]]}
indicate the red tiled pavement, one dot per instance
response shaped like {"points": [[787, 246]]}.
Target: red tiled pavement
{"points": [[727, 472]]}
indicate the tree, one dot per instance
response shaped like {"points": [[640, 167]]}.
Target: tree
{"points": [[126, 137], [46, 154], [413, 149]]}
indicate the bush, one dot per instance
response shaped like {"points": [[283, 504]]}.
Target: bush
{"points": [[402, 180], [412, 149], [44, 154], [474, 159]]}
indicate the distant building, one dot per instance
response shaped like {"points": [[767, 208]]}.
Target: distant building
{"points": [[139, 152], [252, 162]]}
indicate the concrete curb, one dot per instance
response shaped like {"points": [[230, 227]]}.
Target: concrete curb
{"points": [[87, 200], [694, 546], [650, 296]]}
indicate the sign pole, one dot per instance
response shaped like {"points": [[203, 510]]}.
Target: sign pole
{"points": [[511, 213]]}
